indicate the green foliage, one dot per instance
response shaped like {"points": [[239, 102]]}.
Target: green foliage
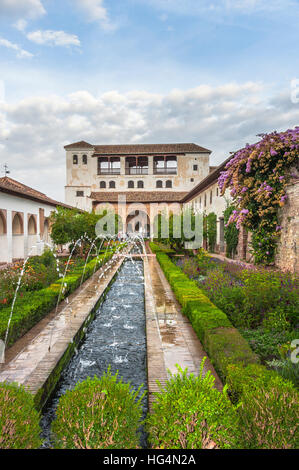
{"points": [[190, 413], [223, 343], [288, 369], [255, 296], [269, 418], [19, 421], [253, 377], [266, 343], [231, 233], [100, 413], [33, 306], [176, 229], [257, 176], [160, 247], [69, 225], [211, 230]]}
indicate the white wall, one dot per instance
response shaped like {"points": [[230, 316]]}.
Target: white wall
{"points": [[19, 246]]}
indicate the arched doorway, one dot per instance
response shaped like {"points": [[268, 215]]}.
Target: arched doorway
{"points": [[31, 239], [138, 222], [17, 237], [46, 231]]}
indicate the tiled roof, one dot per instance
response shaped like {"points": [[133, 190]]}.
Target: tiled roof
{"points": [[138, 149], [82, 145], [139, 196], [145, 149], [12, 186]]}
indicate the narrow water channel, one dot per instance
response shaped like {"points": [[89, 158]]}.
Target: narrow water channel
{"points": [[116, 337]]}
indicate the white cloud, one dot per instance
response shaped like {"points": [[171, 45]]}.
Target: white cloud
{"points": [[21, 53], [191, 7], [21, 25], [53, 38], [96, 11], [21, 8], [222, 118]]}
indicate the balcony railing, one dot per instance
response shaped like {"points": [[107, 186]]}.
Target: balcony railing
{"points": [[165, 171], [108, 171], [137, 171]]}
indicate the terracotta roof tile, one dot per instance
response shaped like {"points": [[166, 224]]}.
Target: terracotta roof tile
{"points": [[139, 196], [138, 149], [148, 149], [81, 144], [12, 186]]}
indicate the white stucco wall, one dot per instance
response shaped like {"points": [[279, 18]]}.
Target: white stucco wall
{"points": [[19, 246]]}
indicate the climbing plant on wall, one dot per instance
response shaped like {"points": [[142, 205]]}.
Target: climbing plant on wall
{"points": [[257, 176], [231, 233]]}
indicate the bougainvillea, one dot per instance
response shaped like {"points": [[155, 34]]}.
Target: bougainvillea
{"points": [[257, 177]]}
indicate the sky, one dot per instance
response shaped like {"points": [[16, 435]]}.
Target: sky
{"points": [[213, 72]]}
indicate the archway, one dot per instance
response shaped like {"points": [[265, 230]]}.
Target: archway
{"points": [[31, 239], [46, 231], [17, 237], [138, 222], [3, 239]]}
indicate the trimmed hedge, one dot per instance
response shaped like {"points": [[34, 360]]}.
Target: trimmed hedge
{"points": [[33, 306], [222, 341], [155, 247], [266, 399]]}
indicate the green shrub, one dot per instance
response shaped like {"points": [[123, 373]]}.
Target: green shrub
{"points": [[287, 369], [266, 343], [100, 413], [269, 418], [223, 343], [226, 346], [191, 414], [19, 421], [253, 377]]}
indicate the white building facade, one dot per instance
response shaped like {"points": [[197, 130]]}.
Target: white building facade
{"points": [[24, 220]]}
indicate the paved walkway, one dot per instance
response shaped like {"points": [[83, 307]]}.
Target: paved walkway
{"points": [[171, 339]]}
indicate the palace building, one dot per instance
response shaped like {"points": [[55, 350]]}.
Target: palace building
{"points": [[145, 176]]}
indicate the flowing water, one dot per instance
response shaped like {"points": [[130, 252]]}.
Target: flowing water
{"points": [[116, 337]]}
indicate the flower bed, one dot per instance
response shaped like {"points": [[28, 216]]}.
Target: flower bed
{"points": [[33, 306]]}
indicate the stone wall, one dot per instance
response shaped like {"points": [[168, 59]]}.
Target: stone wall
{"points": [[288, 247]]}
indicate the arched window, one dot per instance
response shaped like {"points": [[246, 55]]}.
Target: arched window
{"points": [[17, 225], [168, 184], [131, 184], [75, 159], [140, 184], [31, 226], [159, 184], [112, 184], [84, 159], [103, 184]]}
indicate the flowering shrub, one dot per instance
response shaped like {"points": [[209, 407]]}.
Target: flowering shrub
{"points": [[257, 176]]}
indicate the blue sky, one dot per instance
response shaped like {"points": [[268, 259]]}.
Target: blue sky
{"points": [[213, 72]]}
